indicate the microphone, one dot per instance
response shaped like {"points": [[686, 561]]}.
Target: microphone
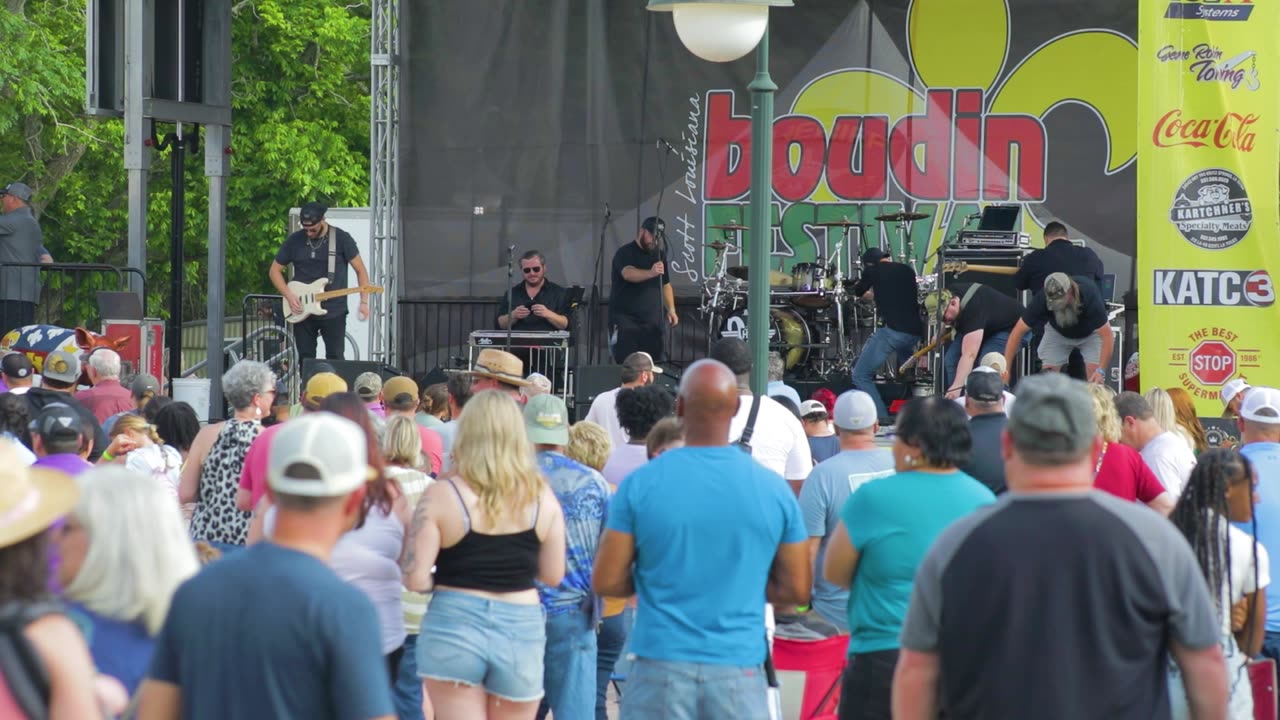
{"points": [[662, 143], [974, 216], [607, 213], [511, 248]]}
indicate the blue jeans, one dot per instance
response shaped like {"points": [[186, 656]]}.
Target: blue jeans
{"points": [[995, 343], [473, 640], [880, 345], [660, 690], [1271, 646], [569, 667], [610, 642], [406, 693]]}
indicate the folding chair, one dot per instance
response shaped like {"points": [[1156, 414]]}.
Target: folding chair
{"points": [[823, 663]]}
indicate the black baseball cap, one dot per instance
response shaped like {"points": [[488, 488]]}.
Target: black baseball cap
{"points": [[984, 385], [654, 224], [17, 365], [873, 256], [58, 421], [313, 212]]}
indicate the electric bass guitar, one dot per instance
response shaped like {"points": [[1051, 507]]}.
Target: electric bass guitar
{"points": [[944, 337], [958, 267], [311, 294]]}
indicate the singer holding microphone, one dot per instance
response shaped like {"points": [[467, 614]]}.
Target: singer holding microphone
{"points": [[641, 297]]}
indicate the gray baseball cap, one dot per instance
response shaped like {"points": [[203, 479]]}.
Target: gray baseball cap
{"points": [[62, 366], [1053, 419], [22, 191]]}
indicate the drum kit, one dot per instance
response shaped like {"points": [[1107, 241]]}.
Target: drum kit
{"points": [[814, 319]]}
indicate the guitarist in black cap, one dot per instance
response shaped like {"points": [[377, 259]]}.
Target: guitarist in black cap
{"points": [[320, 250], [641, 297]]}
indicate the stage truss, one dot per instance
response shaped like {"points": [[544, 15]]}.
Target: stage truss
{"points": [[384, 177]]}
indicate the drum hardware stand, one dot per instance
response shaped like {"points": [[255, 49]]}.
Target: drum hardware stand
{"points": [[511, 311]]}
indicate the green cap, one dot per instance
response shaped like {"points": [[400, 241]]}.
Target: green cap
{"points": [[546, 419], [1052, 422]]}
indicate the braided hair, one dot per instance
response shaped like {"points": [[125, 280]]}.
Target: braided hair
{"points": [[1202, 516]]}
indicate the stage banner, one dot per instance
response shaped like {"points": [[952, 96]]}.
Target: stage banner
{"points": [[1207, 195], [521, 122]]}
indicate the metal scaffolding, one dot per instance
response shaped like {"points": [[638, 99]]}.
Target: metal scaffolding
{"points": [[384, 177]]}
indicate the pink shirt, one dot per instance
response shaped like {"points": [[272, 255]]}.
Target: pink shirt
{"points": [[106, 398], [376, 408], [253, 477], [432, 447]]}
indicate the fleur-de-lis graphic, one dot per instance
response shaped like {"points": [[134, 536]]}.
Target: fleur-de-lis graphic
{"points": [[974, 130]]}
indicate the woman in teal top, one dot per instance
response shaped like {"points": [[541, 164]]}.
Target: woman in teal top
{"points": [[886, 526]]}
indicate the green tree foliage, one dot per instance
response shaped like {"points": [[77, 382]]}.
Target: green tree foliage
{"points": [[301, 113]]}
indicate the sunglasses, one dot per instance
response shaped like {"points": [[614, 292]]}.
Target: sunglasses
{"points": [[534, 269]]}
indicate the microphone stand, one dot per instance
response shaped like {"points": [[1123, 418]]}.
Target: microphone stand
{"points": [[659, 228], [597, 282], [511, 311]]}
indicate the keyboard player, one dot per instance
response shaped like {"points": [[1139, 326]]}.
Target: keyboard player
{"points": [[539, 304]]}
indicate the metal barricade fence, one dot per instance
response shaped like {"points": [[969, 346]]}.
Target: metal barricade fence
{"points": [[434, 332], [68, 292]]}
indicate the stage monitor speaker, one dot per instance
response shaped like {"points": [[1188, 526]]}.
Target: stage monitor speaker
{"points": [[348, 370], [592, 380], [1006, 260]]}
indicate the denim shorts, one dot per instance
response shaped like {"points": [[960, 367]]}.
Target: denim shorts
{"points": [[492, 644]]}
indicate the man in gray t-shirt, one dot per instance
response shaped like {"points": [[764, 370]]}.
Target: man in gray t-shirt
{"points": [[20, 243], [830, 484], [1058, 602]]}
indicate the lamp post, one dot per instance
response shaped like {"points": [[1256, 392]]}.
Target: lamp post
{"points": [[721, 31]]}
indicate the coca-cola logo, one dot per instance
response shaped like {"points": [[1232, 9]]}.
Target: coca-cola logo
{"points": [[1206, 64], [1232, 130]]}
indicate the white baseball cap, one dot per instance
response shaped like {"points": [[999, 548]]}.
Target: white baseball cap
{"points": [[318, 455], [812, 407], [855, 410], [1261, 405], [1231, 389], [994, 361]]}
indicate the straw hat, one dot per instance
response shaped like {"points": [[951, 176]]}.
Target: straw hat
{"points": [[500, 365], [31, 499]]}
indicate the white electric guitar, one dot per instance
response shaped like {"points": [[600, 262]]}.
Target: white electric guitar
{"points": [[311, 294]]}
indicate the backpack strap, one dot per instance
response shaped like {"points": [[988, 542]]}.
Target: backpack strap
{"points": [[744, 442], [24, 670]]}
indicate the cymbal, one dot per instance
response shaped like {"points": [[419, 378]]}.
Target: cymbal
{"points": [[842, 223], [901, 217], [718, 246], [777, 279], [731, 226]]}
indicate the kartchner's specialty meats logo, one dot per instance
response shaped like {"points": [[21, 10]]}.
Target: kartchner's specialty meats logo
{"points": [[1209, 10], [965, 127], [1212, 210]]}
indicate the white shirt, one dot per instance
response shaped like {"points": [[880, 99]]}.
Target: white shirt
{"points": [[778, 441], [1170, 459], [604, 412]]}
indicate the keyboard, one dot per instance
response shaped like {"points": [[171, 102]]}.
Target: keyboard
{"points": [[523, 339]]}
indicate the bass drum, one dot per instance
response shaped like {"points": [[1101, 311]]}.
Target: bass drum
{"points": [[789, 334]]}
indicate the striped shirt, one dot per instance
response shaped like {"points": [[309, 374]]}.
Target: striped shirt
{"points": [[413, 483]]}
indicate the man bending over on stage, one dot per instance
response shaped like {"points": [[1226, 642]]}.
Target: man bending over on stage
{"points": [[540, 305], [1074, 316], [893, 285], [982, 318]]}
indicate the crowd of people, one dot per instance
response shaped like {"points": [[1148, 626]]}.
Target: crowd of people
{"points": [[465, 549]]}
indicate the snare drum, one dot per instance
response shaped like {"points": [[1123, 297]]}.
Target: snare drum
{"points": [[816, 281]]}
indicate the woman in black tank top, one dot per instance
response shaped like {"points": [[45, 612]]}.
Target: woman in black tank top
{"points": [[491, 527]]}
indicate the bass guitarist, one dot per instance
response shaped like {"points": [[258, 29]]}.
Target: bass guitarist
{"points": [[320, 250]]}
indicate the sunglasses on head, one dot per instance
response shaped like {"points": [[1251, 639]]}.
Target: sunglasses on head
{"points": [[534, 269]]}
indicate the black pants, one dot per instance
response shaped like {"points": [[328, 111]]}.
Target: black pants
{"points": [[393, 663], [15, 314], [637, 336], [868, 683], [333, 328]]}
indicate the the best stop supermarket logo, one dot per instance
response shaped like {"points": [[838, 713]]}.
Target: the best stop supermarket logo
{"points": [[1210, 358]]}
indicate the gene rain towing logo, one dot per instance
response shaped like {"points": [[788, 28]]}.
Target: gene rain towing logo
{"points": [[1212, 210]]}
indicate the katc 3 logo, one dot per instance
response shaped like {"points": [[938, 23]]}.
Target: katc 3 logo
{"points": [[1227, 288], [1209, 10]]}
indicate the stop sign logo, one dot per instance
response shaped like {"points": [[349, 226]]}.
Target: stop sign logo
{"points": [[1213, 362]]}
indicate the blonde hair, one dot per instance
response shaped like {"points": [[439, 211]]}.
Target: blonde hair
{"points": [[493, 455], [135, 423], [1162, 409], [139, 551], [1184, 410], [402, 443], [589, 444], [1104, 411]]}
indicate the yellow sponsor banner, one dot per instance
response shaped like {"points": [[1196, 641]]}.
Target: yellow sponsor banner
{"points": [[1208, 159]]}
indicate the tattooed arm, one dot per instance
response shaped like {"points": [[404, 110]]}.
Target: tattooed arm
{"points": [[422, 543]]}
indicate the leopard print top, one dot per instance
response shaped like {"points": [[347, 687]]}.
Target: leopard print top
{"points": [[216, 518]]}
